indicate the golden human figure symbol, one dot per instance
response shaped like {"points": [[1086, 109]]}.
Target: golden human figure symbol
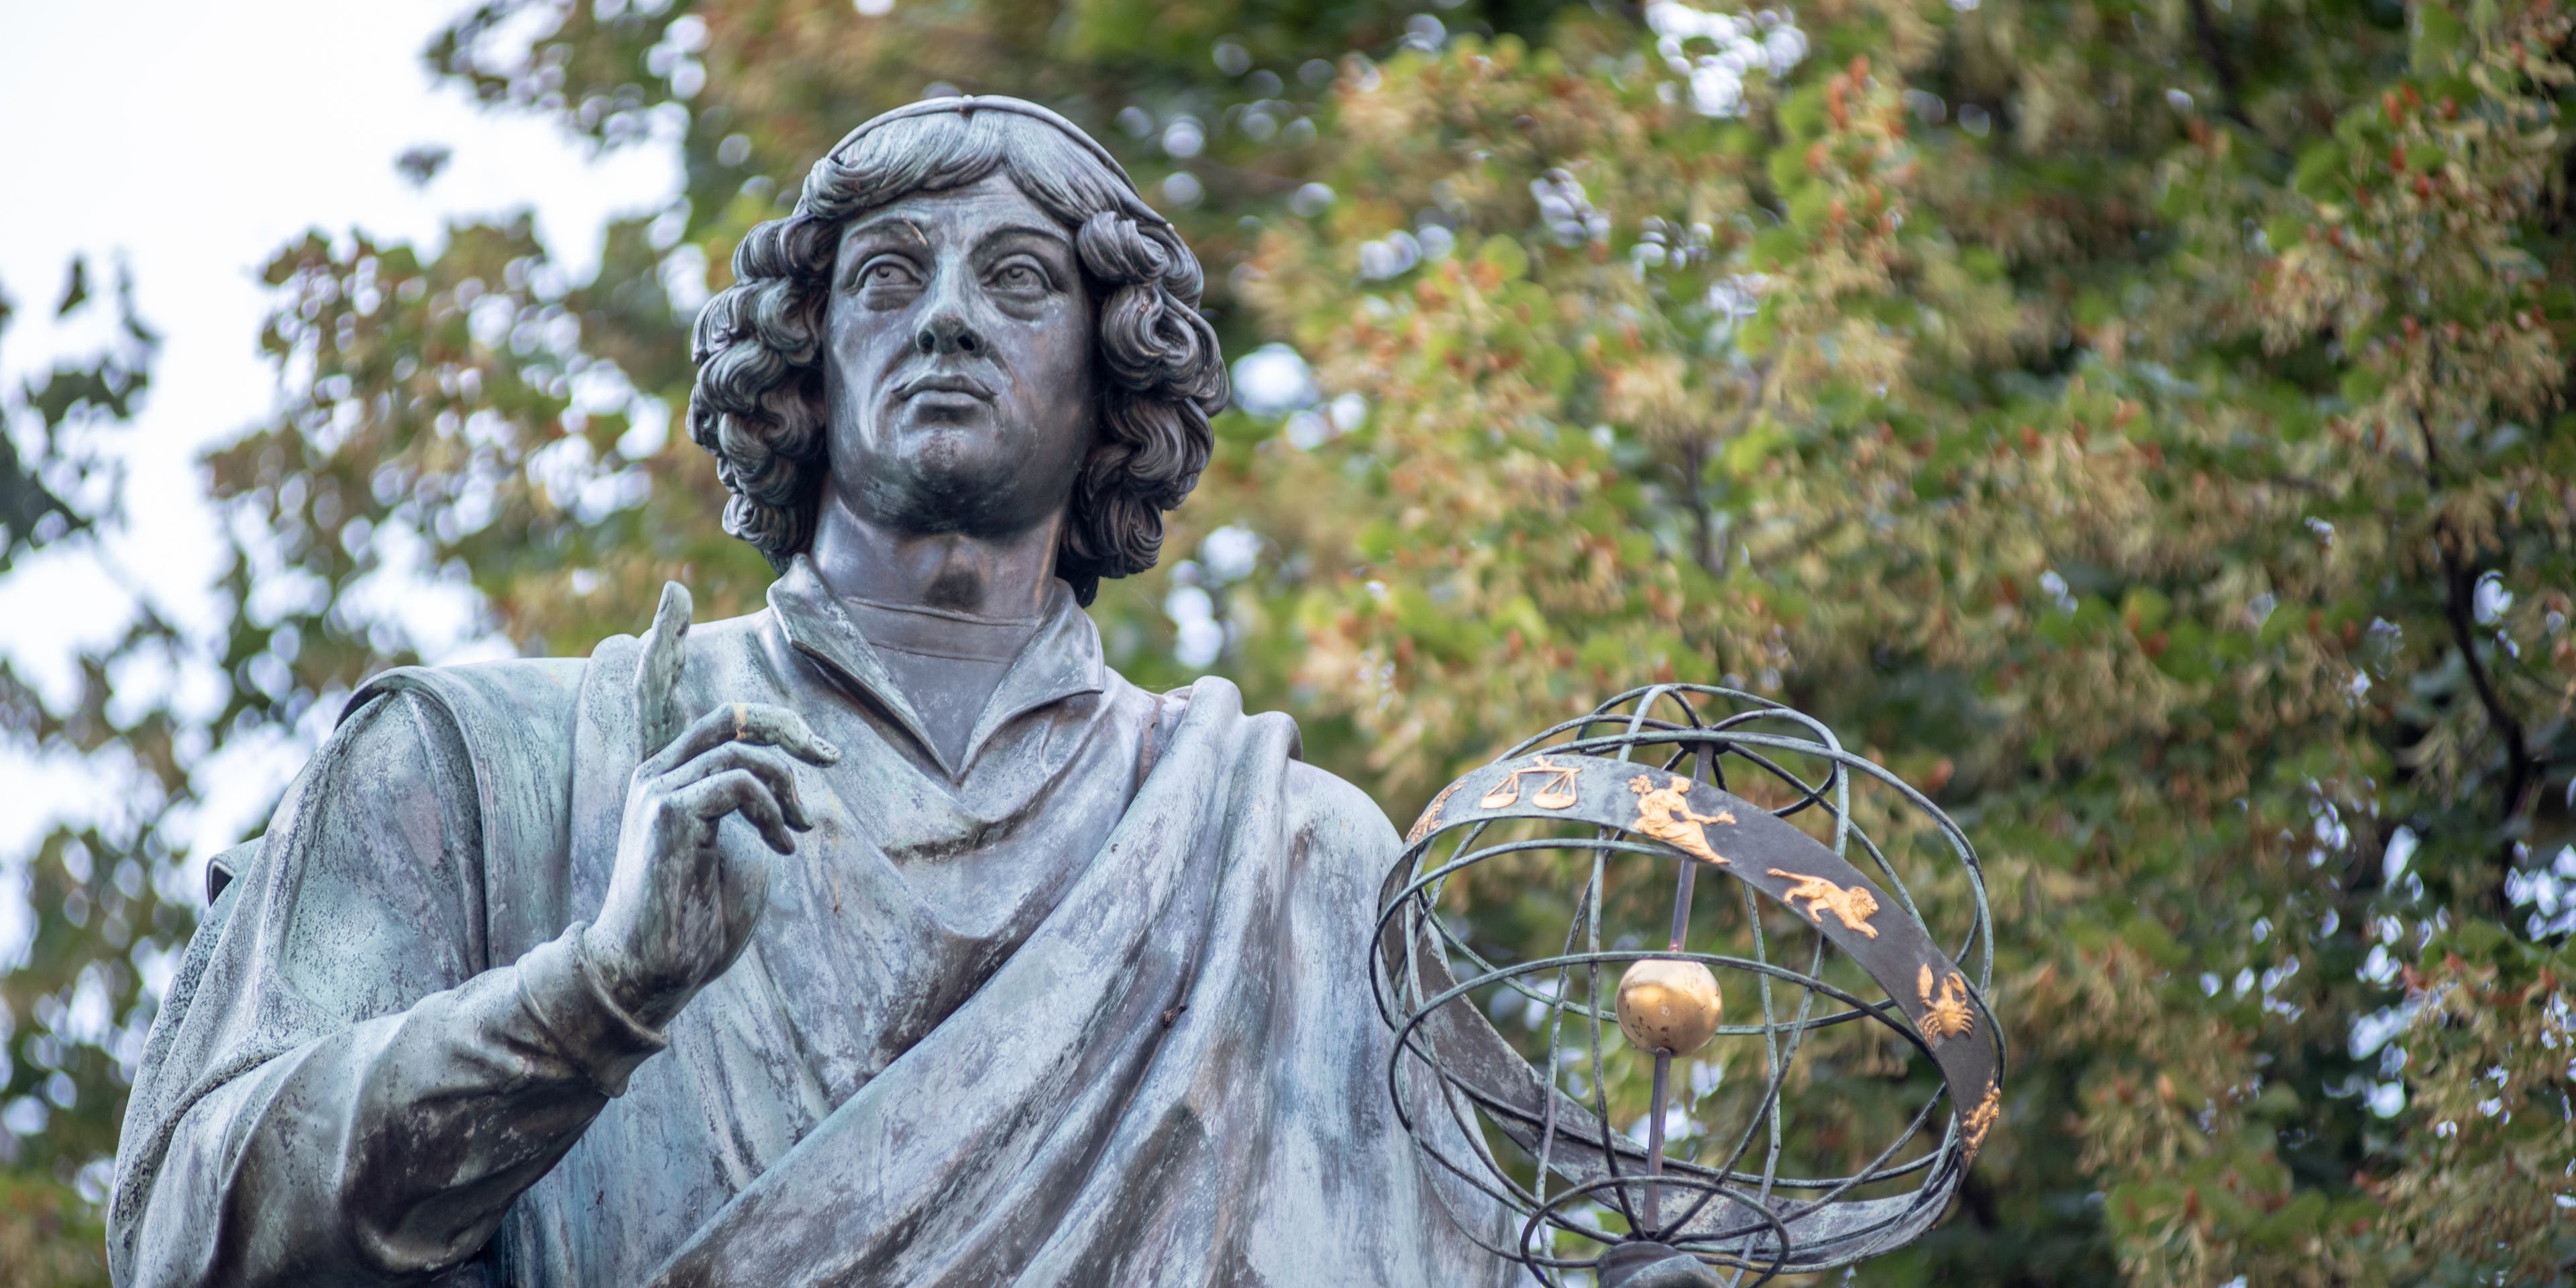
{"points": [[1664, 813], [1556, 791]]}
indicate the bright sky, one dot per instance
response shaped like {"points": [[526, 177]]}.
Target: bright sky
{"points": [[192, 137]]}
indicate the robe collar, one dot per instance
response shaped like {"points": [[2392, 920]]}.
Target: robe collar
{"points": [[1061, 660]]}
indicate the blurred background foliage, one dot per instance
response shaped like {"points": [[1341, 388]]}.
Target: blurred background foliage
{"points": [[2140, 423]]}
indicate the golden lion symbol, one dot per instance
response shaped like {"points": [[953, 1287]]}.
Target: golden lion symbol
{"points": [[1855, 905]]}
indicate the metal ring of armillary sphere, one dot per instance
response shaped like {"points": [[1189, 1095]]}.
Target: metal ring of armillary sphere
{"points": [[1618, 822]]}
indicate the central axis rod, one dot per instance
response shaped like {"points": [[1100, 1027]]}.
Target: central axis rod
{"points": [[1662, 1097]]}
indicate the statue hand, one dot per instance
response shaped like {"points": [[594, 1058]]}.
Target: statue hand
{"points": [[679, 908], [681, 905]]}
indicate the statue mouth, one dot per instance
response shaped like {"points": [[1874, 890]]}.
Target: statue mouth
{"points": [[945, 382]]}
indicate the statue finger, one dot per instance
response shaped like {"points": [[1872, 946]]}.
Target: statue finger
{"points": [[737, 791], [657, 670], [744, 880], [753, 722], [768, 764]]}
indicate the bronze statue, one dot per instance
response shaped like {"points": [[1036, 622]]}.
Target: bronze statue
{"points": [[885, 936]]}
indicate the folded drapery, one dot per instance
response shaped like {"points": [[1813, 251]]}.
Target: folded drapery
{"points": [[1090, 1008]]}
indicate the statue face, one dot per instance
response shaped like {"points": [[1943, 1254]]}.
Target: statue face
{"points": [[959, 363]]}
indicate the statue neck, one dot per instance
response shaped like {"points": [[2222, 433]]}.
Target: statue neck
{"points": [[1002, 575]]}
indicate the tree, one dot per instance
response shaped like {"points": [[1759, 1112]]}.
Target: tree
{"points": [[74, 1007], [2141, 425], [2147, 433]]}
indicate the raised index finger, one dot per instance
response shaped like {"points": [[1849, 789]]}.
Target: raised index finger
{"points": [[756, 722], [657, 669]]}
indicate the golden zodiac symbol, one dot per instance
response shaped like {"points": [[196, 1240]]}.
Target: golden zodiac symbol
{"points": [[1430, 816], [1946, 1015], [1855, 905], [1982, 1118], [1665, 814], [1555, 792]]}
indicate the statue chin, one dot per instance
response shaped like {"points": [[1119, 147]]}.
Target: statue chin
{"points": [[947, 478], [942, 461]]}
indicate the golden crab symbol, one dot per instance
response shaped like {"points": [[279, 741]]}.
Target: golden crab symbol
{"points": [[1945, 1009]]}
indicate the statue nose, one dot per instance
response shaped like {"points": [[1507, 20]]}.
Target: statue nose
{"points": [[947, 332]]}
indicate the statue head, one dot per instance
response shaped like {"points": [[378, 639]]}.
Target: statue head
{"points": [[970, 321]]}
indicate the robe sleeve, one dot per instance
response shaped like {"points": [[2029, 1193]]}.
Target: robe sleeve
{"points": [[353, 1093]]}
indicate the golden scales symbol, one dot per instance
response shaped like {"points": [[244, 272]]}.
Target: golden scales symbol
{"points": [[1556, 791]]}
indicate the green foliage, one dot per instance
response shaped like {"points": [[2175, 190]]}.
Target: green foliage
{"points": [[2196, 567], [73, 1010], [49, 1237], [57, 483], [2143, 426]]}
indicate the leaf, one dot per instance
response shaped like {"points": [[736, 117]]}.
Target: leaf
{"points": [[75, 287], [2435, 38], [2320, 172]]}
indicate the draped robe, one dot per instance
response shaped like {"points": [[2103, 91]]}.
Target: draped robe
{"points": [[1090, 1007]]}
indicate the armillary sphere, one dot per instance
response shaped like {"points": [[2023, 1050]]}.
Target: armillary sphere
{"points": [[1671, 1079]]}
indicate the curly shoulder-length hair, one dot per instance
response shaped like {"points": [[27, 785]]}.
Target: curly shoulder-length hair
{"points": [[759, 407]]}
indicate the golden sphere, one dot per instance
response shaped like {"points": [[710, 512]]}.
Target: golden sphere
{"points": [[1668, 1005]]}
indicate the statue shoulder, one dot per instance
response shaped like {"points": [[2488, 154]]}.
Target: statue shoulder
{"points": [[517, 723], [1316, 799], [1321, 805], [521, 718], [522, 697], [1322, 800]]}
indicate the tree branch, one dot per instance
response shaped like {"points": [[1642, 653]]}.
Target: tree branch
{"points": [[2213, 46], [2459, 611], [2459, 608], [1712, 560]]}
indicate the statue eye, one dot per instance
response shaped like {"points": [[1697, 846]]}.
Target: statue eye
{"points": [[1019, 275], [887, 271]]}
